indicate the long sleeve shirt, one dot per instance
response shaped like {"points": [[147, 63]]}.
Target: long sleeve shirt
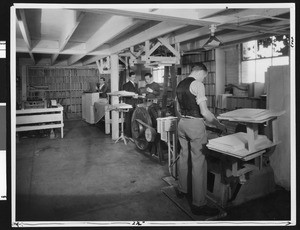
{"points": [[156, 90]]}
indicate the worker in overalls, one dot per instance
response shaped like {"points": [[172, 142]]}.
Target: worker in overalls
{"points": [[192, 107]]}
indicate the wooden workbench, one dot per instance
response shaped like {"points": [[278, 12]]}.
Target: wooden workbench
{"points": [[40, 118]]}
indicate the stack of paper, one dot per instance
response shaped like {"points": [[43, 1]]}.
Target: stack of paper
{"points": [[250, 115], [231, 143], [237, 143], [122, 93]]}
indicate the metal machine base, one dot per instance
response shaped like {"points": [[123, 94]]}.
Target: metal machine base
{"points": [[228, 192]]}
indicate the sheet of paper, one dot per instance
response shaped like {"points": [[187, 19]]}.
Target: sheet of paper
{"points": [[122, 93], [237, 143], [250, 115]]}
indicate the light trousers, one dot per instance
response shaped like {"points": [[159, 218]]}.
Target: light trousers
{"points": [[192, 136]]}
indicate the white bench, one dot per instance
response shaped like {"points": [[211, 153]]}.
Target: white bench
{"points": [[41, 118]]}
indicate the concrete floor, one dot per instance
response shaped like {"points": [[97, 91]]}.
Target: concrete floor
{"points": [[87, 177]]}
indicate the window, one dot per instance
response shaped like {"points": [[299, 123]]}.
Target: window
{"points": [[158, 74], [258, 55]]}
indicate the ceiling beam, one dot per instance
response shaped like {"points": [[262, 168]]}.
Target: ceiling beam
{"points": [[24, 30], [179, 38], [153, 32], [23, 27], [153, 16], [50, 47], [166, 44], [248, 15], [225, 38], [189, 35], [74, 58], [71, 23], [93, 59], [113, 27]]}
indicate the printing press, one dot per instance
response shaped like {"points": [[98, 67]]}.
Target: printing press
{"points": [[238, 164], [239, 167]]}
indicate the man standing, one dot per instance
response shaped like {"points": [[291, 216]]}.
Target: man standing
{"points": [[191, 131], [152, 88], [102, 88], [130, 86]]}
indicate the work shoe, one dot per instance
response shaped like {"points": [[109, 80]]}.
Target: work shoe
{"points": [[179, 194], [204, 210]]}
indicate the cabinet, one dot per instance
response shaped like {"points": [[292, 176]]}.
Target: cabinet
{"points": [[88, 100], [214, 83]]}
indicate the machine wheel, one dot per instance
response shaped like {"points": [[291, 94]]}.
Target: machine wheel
{"points": [[138, 130], [154, 112]]}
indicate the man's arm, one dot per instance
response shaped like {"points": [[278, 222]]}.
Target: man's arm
{"points": [[156, 89], [177, 108], [209, 117]]}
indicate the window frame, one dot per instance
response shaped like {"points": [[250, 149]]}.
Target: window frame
{"points": [[242, 60]]}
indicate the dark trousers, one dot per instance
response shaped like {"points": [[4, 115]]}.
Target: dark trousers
{"points": [[127, 123]]}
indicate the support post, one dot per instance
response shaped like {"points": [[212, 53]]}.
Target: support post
{"points": [[107, 120], [173, 80], [115, 99], [24, 82], [165, 91], [252, 133]]}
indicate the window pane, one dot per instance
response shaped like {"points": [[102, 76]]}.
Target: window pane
{"points": [[280, 45], [158, 74], [249, 50], [280, 60], [270, 51], [264, 48], [155, 75], [261, 67], [248, 71]]}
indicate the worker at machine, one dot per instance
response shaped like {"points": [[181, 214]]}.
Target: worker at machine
{"points": [[102, 88], [192, 108], [130, 86], [152, 89]]}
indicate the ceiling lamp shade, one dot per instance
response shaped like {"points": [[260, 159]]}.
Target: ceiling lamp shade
{"points": [[212, 41]]}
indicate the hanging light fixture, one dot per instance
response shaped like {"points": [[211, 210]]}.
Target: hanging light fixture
{"points": [[212, 41]]}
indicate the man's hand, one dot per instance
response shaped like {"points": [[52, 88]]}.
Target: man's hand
{"points": [[149, 90], [222, 128], [135, 96]]}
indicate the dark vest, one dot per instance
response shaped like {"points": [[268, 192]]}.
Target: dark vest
{"points": [[187, 101]]}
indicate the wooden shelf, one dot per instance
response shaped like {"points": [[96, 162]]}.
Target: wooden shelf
{"points": [[60, 83], [215, 81]]}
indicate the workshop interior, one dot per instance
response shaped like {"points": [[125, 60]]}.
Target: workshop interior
{"points": [[89, 150]]}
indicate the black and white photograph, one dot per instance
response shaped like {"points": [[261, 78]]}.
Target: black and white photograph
{"points": [[150, 115]]}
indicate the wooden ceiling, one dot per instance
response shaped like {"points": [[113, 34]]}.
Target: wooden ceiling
{"points": [[81, 34]]}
